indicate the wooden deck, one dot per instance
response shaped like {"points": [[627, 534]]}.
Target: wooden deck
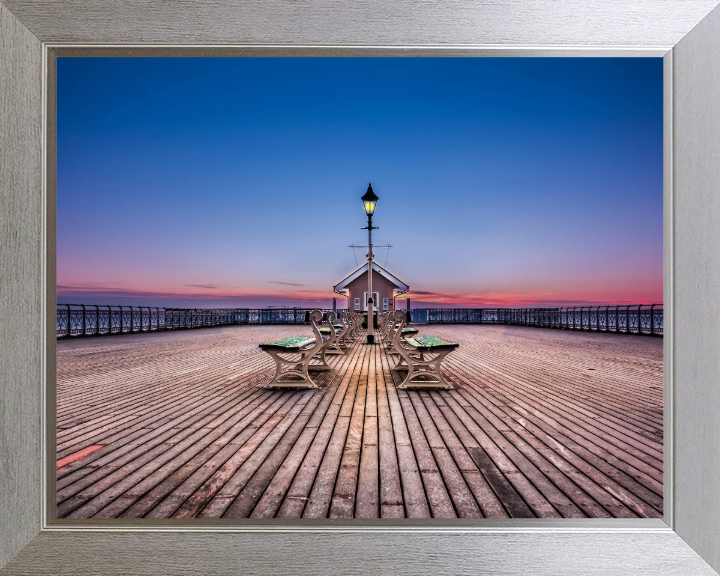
{"points": [[541, 423]]}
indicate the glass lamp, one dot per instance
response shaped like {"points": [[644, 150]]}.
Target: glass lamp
{"points": [[369, 201]]}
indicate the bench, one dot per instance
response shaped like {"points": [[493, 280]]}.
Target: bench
{"points": [[296, 356], [332, 334], [345, 338], [422, 357], [356, 321], [388, 328]]}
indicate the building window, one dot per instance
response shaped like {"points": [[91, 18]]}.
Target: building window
{"points": [[376, 301], [385, 303], [357, 303]]}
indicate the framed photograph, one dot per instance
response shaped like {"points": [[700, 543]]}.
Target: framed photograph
{"points": [[461, 434]]}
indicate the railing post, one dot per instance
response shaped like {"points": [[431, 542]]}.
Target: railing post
{"points": [[652, 320], [97, 319], [627, 319], [84, 327], [607, 318]]}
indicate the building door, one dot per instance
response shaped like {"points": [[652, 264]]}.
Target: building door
{"points": [[376, 297]]}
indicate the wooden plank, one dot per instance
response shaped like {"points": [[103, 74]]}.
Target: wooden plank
{"points": [[528, 431], [78, 455], [319, 499], [159, 481], [367, 502], [342, 504], [254, 489], [487, 500], [462, 498], [188, 499], [273, 496], [441, 505], [413, 490], [298, 494], [391, 497], [101, 492]]}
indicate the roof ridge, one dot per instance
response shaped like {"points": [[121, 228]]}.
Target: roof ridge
{"points": [[382, 270]]}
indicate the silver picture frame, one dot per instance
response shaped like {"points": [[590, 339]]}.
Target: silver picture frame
{"points": [[685, 33]]}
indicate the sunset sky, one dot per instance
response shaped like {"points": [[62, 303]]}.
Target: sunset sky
{"points": [[236, 182]]}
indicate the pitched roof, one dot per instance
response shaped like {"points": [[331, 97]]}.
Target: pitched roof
{"points": [[342, 285]]}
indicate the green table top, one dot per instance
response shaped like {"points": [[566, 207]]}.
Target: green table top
{"points": [[430, 343], [290, 344]]}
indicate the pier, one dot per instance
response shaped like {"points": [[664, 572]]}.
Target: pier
{"points": [[540, 423]]}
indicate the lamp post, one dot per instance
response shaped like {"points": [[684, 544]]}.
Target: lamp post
{"points": [[369, 201]]}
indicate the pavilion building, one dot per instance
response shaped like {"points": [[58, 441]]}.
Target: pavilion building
{"points": [[386, 287]]}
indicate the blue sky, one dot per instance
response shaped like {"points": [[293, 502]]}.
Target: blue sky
{"points": [[237, 181]]}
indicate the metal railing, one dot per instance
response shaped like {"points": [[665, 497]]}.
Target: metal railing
{"points": [[91, 319], [623, 319]]}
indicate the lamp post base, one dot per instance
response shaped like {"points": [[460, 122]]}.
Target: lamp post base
{"points": [[370, 339]]}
